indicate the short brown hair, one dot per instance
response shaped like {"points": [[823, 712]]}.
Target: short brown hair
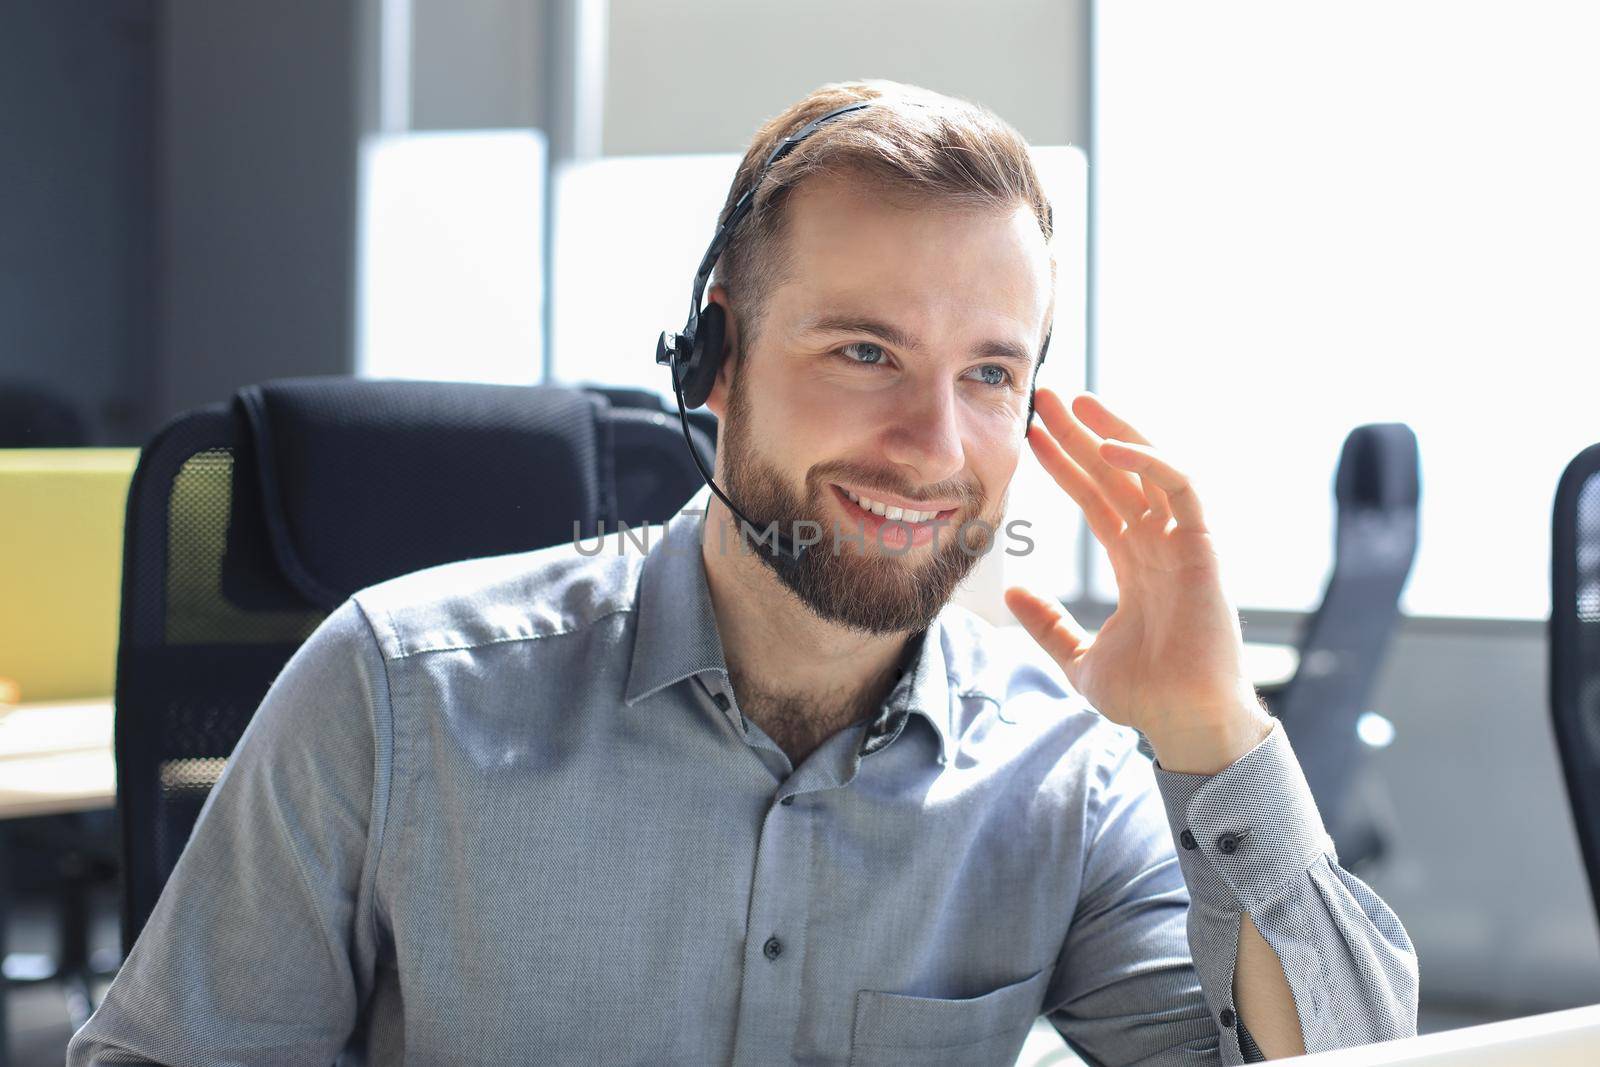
{"points": [[912, 142]]}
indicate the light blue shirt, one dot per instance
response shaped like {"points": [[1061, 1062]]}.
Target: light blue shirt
{"points": [[509, 811]]}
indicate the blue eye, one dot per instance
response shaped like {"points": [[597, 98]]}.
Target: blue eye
{"points": [[994, 374], [874, 351]]}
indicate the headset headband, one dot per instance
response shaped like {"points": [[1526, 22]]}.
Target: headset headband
{"points": [[685, 340]]}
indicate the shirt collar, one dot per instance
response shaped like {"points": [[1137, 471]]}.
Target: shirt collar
{"points": [[677, 634], [677, 638]]}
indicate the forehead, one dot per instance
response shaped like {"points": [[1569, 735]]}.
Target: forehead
{"points": [[852, 246]]}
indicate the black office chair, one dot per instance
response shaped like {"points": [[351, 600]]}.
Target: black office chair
{"points": [[247, 523], [1343, 644], [1575, 648]]}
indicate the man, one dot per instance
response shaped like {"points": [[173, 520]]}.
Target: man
{"points": [[692, 806]]}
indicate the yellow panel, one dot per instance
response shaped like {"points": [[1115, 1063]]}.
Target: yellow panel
{"points": [[61, 515]]}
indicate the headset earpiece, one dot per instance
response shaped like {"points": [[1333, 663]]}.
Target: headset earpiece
{"points": [[699, 371]]}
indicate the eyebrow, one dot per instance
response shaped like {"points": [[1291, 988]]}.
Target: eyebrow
{"points": [[1008, 351]]}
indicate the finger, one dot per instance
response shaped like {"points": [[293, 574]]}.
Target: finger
{"points": [[1103, 421], [1185, 502], [1048, 623], [1160, 506], [1092, 411], [1104, 522], [1121, 489]]}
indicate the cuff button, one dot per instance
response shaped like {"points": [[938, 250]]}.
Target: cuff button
{"points": [[1187, 840]]}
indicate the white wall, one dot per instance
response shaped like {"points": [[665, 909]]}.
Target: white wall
{"points": [[702, 76]]}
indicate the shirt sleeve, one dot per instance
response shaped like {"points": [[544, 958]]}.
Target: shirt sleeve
{"points": [[261, 948], [1125, 990], [1250, 840]]}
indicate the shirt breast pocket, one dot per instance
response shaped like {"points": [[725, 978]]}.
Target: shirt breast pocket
{"points": [[892, 1029]]}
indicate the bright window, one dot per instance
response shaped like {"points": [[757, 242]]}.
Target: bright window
{"points": [[1311, 217], [451, 256]]}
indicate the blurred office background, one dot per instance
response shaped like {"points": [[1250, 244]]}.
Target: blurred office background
{"points": [[1278, 221]]}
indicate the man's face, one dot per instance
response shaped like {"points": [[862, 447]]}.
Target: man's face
{"points": [[893, 364]]}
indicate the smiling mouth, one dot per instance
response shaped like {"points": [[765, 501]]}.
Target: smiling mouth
{"points": [[870, 508]]}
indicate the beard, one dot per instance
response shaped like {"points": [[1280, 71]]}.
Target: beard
{"points": [[860, 586]]}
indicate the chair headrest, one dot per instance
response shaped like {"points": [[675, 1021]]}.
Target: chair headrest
{"points": [[419, 473], [1378, 468]]}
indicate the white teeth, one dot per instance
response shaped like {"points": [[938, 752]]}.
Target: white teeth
{"points": [[889, 511]]}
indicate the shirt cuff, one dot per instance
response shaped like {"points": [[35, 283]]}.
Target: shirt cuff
{"points": [[1247, 834]]}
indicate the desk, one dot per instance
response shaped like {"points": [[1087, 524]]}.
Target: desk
{"points": [[56, 758], [1555, 1039]]}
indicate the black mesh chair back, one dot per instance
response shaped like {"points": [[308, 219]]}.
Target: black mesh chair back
{"points": [[1575, 648], [1343, 644], [248, 522]]}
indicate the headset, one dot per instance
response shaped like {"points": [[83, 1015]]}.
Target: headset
{"points": [[695, 354]]}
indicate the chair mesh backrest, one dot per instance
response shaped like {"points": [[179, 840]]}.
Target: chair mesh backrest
{"points": [[1377, 491], [1574, 638], [245, 524]]}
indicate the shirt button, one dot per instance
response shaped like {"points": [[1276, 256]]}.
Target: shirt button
{"points": [[1187, 840], [721, 701], [1226, 1018], [772, 949], [1228, 843], [787, 800]]}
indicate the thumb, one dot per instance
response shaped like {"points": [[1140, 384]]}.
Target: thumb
{"points": [[1048, 623]]}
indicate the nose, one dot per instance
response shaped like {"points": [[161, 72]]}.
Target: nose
{"points": [[924, 435]]}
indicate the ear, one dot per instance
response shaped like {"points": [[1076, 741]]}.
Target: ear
{"points": [[717, 400]]}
